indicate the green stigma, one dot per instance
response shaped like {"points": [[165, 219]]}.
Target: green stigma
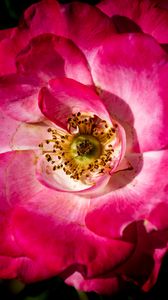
{"points": [[85, 148]]}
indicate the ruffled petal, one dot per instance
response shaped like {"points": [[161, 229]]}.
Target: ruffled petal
{"points": [[130, 195], [43, 17], [150, 19], [39, 18], [48, 56], [143, 266], [66, 96], [63, 226], [131, 86], [50, 17], [58, 57]]}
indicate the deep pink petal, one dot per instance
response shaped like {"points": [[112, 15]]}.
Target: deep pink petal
{"points": [[7, 52], [158, 216], [158, 258], [58, 57], [19, 97], [9, 266], [49, 56], [43, 17], [161, 3], [95, 25], [63, 219], [66, 96], [132, 86], [50, 17], [131, 194], [143, 266], [95, 256], [103, 286], [150, 19]]}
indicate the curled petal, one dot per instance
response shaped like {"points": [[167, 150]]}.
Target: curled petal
{"points": [[48, 56], [66, 96], [59, 181], [65, 234]]}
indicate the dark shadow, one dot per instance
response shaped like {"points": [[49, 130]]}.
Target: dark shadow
{"points": [[124, 24], [164, 46]]}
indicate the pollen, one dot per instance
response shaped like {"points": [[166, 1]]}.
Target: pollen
{"points": [[89, 147]]}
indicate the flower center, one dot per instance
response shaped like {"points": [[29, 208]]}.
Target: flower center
{"points": [[85, 148], [89, 149]]}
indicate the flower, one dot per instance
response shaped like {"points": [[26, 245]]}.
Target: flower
{"points": [[84, 159]]}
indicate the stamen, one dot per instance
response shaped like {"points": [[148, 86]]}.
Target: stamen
{"points": [[89, 149]]}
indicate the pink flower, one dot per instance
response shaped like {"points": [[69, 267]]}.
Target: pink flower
{"points": [[84, 158]]}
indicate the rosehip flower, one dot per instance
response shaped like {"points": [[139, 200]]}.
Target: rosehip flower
{"points": [[84, 158]]}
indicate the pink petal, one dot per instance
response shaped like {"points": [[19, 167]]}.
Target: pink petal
{"points": [[19, 97], [51, 217], [9, 266], [158, 215], [59, 181], [132, 86], [150, 19], [103, 286], [158, 257], [50, 17], [19, 92], [48, 56], [143, 266], [39, 18], [66, 96], [7, 52], [130, 195], [15, 135], [18, 181], [94, 28]]}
